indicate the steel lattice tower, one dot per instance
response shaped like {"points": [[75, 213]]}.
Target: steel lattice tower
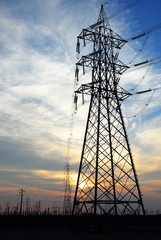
{"points": [[107, 182], [67, 207]]}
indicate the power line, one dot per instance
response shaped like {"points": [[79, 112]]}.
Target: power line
{"points": [[106, 2], [144, 76], [144, 64], [144, 32], [145, 105], [124, 9], [140, 50]]}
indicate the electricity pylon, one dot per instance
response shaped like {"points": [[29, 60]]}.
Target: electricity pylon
{"points": [[67, 207], [107, 182], [21, 200]]}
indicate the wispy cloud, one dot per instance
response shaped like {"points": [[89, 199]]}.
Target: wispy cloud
{"points": [[37, 52]]}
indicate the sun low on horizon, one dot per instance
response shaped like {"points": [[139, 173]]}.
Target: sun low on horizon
{"points": [[40, 128]]}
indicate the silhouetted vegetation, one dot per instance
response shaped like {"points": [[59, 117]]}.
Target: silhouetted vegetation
{"points": [[100, 222]]}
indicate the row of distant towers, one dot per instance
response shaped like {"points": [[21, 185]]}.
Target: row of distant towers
{"points": [[107, 181]]}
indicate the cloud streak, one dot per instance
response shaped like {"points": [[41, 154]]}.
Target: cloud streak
{"points": [[37, 53]]}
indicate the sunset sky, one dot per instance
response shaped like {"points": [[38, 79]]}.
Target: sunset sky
{"points": [[37, 56]]}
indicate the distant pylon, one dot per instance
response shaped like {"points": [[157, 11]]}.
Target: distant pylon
{"points": [[107, 182], [67, 207], [21, 199], [27, 206]]}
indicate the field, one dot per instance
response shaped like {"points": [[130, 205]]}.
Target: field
{"points": [[82, 228]]}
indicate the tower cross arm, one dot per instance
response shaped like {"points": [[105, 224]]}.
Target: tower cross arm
{"points": [[91, 60], [93, 34], [86, 89], [89, 88], [123, 94]]}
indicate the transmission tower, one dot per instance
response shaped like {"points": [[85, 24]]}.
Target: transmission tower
{"points": [[107, 182], [67, 207], [21, 192], [27, 206]]}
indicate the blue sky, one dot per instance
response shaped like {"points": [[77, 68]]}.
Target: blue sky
{"points": [[37, 52]]}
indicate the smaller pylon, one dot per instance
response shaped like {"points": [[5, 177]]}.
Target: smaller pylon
{"points": [[67, 207], [21, 192], [27, 206]]}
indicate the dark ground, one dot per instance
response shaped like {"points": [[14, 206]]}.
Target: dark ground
{"points": [[82, 228], [54, 234]]}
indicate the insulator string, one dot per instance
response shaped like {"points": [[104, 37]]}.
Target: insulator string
{"points": [[141, 65], [73, 111]]}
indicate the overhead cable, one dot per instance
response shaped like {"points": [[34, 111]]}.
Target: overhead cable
{"points": [[124, 9], [144, 32]]}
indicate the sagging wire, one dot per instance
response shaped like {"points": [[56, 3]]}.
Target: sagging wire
{"points": [[143, 64], [141, 80], [74, 104], [124, 9], [139, 51], [144, 107], [144, 32], [106, 2]]}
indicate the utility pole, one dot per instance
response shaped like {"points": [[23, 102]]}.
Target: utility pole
{"points": [[21, 200], [39, 206], [7, 211], [107, 175]]}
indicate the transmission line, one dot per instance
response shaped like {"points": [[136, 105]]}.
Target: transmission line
{"points": [[144, 32], [144, 76], [124, 9], [139, 51]]}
